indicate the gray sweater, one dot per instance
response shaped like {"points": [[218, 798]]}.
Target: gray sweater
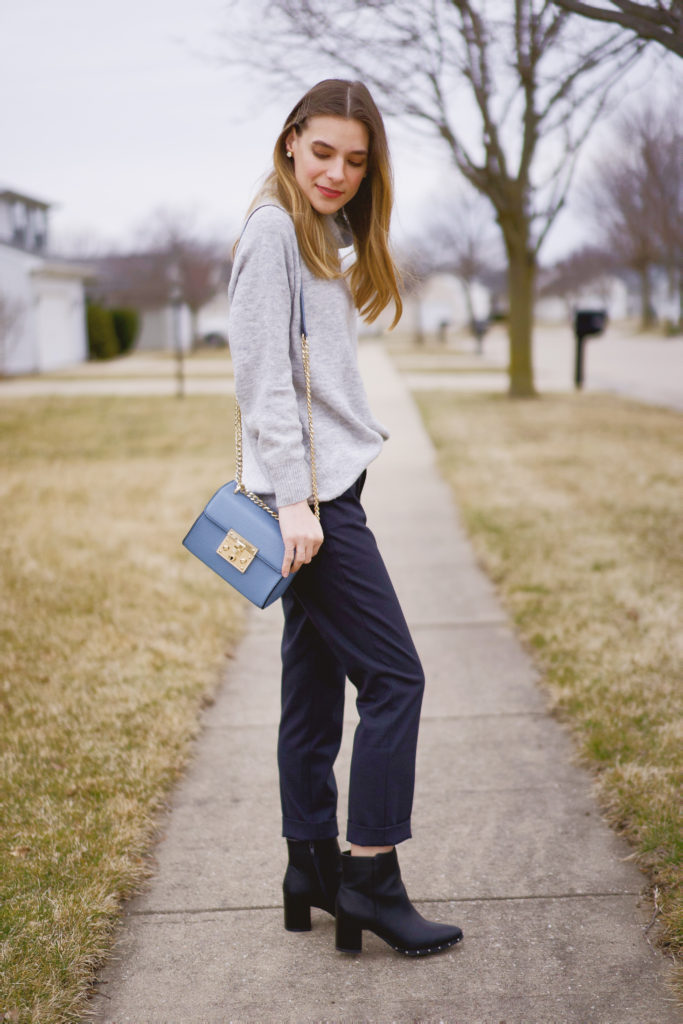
{"points": [[265, 343]]}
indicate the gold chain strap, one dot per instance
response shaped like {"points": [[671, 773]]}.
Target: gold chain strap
{"points": [[305, 358]]}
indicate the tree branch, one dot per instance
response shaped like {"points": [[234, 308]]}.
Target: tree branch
{"points": [[477, 72], [656, 24]]}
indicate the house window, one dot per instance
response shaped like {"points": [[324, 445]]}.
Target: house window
{"points": [[35, 229], [39, 222]]}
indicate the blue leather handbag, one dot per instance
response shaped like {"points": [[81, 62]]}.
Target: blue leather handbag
{"points": [[242, 543], [237, 534]]}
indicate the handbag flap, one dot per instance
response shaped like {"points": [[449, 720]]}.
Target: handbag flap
{"points": [[232, 510]]}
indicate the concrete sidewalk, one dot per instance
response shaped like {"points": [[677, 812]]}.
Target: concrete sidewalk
{"points": [[508, 841]]}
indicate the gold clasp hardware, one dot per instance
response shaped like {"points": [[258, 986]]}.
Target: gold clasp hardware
{"points": [[236, 550]]}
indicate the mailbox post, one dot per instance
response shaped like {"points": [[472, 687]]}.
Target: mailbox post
{"points": [[479, 328], [587, 322]]}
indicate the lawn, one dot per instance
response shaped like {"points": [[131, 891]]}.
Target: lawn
{"points": [[113, 638], [573, 503]]}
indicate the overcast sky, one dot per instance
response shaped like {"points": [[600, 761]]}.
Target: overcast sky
{"points": [[109, 112]]}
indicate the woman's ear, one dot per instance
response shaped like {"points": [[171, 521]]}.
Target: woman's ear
{"points": [[290, 139]]}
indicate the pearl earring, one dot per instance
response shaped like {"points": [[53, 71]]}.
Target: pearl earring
{"points": [[289, 154]]}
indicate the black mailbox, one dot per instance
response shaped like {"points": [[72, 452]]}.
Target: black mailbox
{"points": [[587, 322]]}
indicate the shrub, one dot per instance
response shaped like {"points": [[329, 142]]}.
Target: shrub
{"points": [[102, 340], [126, 325]]}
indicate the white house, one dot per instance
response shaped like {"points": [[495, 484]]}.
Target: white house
{"points": [[42, 301], [583, 282], [439, 303], [212, 319], [141, 281], [609, 293], [165, 329]]}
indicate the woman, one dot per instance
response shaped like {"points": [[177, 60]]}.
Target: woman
{"points": [[330, 188]]}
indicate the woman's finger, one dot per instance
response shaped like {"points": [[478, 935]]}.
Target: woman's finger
{"points": [[288, 559], [298, 560], [301, 553]]}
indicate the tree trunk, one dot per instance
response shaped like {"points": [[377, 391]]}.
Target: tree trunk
{"points": [[467, 292], [194, 327], [647, 313], [521, 279], [418, 333], [471, 319]]}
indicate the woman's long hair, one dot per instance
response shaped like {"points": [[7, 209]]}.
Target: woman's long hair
{"points": [[372, 277]]}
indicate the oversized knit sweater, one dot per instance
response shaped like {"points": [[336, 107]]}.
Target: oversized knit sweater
{"points": [[265, 344]]}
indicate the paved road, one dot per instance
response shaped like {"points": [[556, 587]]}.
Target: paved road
{"points": [[508, 840], [647, 368]]}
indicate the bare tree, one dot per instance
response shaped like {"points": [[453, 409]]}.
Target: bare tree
{"points": [[170, 256], [414, 271], [661, 140], [176, 250], [660, 21], [460, 238], [634, 196], [510, 88], [587, 267]]}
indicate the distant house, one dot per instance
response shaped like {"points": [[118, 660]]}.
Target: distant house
{"points": [[140, 281], [556, 303], [437, 305], [42, 300], [589, 279], [179, 290], [212, 320]]}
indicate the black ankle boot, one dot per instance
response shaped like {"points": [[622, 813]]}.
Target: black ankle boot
{"points": [[372, 896], [311, 880]]}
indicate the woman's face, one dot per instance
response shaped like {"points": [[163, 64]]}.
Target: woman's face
{"points": [[330, 159]]}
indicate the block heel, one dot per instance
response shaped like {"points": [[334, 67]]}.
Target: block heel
{"points": [[349, 937], [311, 880], [297, 913]]}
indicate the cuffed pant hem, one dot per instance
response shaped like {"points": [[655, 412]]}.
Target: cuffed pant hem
{"points": [[359, 835], [309, 829]]}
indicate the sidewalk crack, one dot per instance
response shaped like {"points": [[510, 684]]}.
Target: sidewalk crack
{"points": [[539, 897], [485, 714]]}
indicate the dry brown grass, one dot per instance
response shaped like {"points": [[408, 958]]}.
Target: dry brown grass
{"points": [[574, 506], [112, 638]]}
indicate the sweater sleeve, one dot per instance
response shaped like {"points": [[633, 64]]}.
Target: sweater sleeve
{"points": [[263, 288]]}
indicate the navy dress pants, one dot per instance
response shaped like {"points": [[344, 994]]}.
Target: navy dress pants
{"points": [[342, 618]]}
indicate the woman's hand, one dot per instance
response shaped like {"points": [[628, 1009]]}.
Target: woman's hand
{"points": [[302, 534]]}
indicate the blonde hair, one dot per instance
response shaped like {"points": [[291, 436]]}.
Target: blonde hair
{"points": [[373, 277]]}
